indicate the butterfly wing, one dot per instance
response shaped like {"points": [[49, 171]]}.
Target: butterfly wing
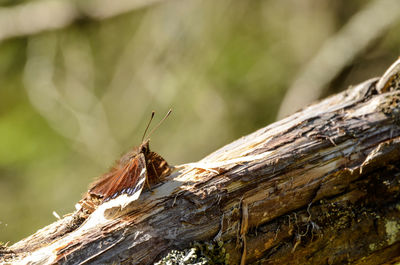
{"points": [[128, 179], [157, 168]]}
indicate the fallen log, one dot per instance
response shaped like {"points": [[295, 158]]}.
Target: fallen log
{"points": [[321, 186]]}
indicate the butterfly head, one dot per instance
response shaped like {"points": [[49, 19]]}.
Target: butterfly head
{"points": [[144, 147]]}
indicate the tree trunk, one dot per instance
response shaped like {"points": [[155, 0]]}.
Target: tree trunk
{"points": [[319, 187]]}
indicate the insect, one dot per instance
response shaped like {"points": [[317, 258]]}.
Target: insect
{"points": [[137, 169]]}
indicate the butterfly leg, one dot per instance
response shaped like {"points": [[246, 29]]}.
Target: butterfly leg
{"points": [[155, 171], [148, 183]]}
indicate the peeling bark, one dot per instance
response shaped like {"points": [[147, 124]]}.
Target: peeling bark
{"points": [[320, 186]]}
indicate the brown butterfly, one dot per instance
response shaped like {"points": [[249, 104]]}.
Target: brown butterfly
{"points": [[136, 169]]}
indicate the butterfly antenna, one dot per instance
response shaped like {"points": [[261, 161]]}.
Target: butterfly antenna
{"points": [[158, 125], [148, 124]]}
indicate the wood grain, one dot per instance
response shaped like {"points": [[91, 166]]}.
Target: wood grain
{"points": [[318, 187]]}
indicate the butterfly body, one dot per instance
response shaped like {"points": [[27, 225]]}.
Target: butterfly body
{"points": [[136, 170]]}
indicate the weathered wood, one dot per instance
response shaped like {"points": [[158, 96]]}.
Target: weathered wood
{"points": [[321, 186]]}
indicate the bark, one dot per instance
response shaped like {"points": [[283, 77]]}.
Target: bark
{"points": [[320, 186]]}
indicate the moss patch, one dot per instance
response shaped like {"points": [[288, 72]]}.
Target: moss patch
{"points": [[198, 254], [392, 231]]}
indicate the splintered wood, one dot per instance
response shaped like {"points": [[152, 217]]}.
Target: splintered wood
{"points": [[320, 186]]}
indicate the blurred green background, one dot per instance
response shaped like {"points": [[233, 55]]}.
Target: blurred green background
{"points": [[75, 95]]}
